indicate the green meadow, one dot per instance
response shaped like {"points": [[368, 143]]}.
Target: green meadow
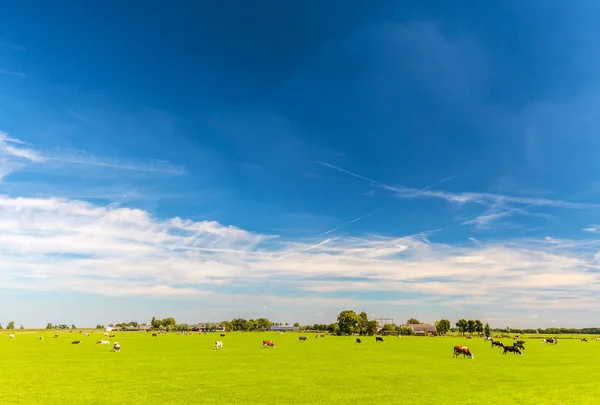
{"points": [[185, 369]]}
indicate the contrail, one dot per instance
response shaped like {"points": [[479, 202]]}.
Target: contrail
{"points": [[324, 242], [438, 183], [384, 186], [353, 221], [339, 169]]}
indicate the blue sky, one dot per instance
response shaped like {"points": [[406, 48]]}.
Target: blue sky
{"points": [[209, 161]]}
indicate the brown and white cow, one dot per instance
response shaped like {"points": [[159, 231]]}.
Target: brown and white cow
{"points": [[464, 350], [268, 343]]}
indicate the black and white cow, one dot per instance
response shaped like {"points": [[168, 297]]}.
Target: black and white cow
{"points": [[513, 349]]}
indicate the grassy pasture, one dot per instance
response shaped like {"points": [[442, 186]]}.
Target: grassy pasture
{"points": [[186, 369]]}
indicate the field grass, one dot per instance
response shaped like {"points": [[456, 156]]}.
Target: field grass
{"points": [[186, 369]]}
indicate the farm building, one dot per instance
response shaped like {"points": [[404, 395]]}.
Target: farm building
{"points": [[284, 328], [201, 326], [422, 329]]}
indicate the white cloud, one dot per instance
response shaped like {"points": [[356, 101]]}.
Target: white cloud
{"points": [[9, 150], [68, 245], [15, 156]]}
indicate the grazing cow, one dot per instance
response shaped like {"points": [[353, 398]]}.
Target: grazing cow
{"points": [[222, 335], [399, 336], [103, 342], [464, 350], [597, 339], [106, 334], [520, 344], [488, 338], [302, 338], [11, 336], [268, 343], [154, 335], [281, 333], [550, 341], [76, 342], [41, 338], [218, 345], [80, 331], [358, 340], [497, 343], [111, 336], [378, 339], [55, 336], [117, 347], [584, 339], [322, 335], [469, 337], [87, 335], [513, 349], [316, 336]]}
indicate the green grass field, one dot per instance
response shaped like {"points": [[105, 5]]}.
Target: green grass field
{"points": [[186, 369]]}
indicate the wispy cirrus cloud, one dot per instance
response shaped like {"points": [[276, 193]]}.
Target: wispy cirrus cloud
{"points": [[12, 73], [499, 206], [15, 155], [79, 117]]}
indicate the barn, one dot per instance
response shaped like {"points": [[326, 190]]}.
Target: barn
{"points": [[202, 327], [285, 328], [422, 329]]}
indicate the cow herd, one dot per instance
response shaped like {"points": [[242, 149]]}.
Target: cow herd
{"points": [[515, 348]]}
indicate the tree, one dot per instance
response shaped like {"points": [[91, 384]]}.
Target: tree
{"points": [[413, 321], [49, 325], [347, 321], [21, 327], [154, 323], [297, 324], [362, 323], [239, 324], [99, 326], [389, 328], [251, 325], [11, 325], [371, 328], [462, 326], [334, 328], [403, 330], [0, 326], [442, 326], [73, 327], [487, 330], [169, 322], [478, 326], [264, 324], [470, 326]]}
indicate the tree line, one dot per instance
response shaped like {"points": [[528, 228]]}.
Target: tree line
{"points": [[11, 325], [348, 322]]}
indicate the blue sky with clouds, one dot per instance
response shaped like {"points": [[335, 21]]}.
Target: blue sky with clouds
{"points": [[209, 161]]}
